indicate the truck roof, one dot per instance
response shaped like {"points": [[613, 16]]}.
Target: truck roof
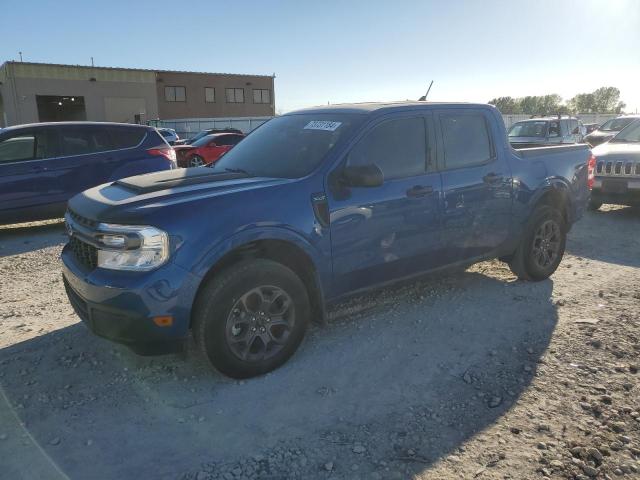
{"points": [[546, 119], [368, 107], [76, 123]]}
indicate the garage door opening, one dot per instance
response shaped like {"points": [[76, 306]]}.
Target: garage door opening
{"points": [[54, 108]]}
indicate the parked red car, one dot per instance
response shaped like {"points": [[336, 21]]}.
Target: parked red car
{"points": [[207, 150]]}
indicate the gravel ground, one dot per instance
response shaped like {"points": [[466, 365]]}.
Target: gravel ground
{"points": [[465, 375]]}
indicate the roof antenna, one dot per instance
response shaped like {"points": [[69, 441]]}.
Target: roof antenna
{"points": [[424, 97]]}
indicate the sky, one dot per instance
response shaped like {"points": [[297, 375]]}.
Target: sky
{"points": [[349, 50]]}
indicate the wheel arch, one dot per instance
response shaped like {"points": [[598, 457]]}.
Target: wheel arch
{"points": [[289, 252], [555, 195]]}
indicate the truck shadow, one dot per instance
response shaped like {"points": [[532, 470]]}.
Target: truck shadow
{"points": [[590, 236], [23, 238], [423, 367]]}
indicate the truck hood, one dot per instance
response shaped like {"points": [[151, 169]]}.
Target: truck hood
{"points": [[617, 151], [133, 199]]}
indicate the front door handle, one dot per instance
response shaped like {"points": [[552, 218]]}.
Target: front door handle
{"points": [[420, 191], [492, 177]]}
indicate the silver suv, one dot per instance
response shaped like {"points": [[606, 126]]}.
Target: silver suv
{"points": [[546, 131]]}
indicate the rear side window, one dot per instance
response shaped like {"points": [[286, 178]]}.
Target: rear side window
{"points": [[123, 137], [28, 145], [228, 139], [83, 140], [465, 140], [397, 147]]}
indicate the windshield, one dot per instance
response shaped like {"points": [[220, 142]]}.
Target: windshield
{"points": [[203, 141], [631, 134], [290, 146], [197, 137], [616, 124], [528, 129]]}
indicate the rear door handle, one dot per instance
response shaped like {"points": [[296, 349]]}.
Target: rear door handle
{"points": [[420, 191], [37, 169]]}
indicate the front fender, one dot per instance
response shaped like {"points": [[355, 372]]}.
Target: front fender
{"points": [[321, 264]]}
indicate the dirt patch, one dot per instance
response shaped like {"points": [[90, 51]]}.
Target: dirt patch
{"points": [[465, 375]]}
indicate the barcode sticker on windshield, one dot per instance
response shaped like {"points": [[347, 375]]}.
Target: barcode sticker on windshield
{"points": [[322, 125]]}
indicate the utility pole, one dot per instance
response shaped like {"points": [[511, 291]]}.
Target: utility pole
{"points": [[20, 53], [92, 61]]}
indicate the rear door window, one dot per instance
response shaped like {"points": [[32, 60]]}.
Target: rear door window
{"points": [[398, 147], [465, 139]]}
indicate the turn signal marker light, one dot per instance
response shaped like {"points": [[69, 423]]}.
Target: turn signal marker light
{"points": [[163, 321]]}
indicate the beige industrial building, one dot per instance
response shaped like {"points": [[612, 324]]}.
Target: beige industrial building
{"points": [[40, 92]]}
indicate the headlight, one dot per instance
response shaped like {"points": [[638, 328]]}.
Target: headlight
{"points": [[125, 247]]}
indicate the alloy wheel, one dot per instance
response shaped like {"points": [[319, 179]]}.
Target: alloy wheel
{"points": [[260, 323]]}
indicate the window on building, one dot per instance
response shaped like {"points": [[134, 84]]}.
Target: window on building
{"points": [[175, 94], [397, 147], [235, 95], [261, 96], [209, 94], [466, 140]]}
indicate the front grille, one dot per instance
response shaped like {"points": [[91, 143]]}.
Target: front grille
{"points": [[619, 168], [87, 222], [86, 254]]}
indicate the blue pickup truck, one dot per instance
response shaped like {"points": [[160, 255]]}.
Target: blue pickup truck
{"points": [[311, 207]]}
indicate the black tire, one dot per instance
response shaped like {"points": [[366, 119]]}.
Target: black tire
{"points": [[542, 245], [227, 321], [196, 161], [593, 205]]}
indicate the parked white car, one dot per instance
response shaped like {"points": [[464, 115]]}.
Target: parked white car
{"points": [[169, 135]]}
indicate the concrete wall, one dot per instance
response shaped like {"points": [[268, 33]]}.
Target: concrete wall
{"points": [[195, 105], [134, 89]]}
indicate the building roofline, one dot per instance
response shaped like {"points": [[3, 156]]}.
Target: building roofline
{"points": [[89, 67]]}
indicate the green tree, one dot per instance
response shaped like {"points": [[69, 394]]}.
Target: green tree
{"points": [[507, 105], [607, 100], [582, 103]]}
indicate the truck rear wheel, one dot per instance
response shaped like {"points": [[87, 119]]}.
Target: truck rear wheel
{"points": [[593, 205], [251, 318], [542, 245]]}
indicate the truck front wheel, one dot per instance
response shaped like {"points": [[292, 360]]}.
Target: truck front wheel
{"points": [[251, 318], [541, 247]]}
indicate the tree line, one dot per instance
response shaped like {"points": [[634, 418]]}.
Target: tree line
{"points": [[602, 100]]}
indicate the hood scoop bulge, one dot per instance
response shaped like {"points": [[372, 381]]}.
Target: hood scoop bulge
{"points": [[182, 177]]}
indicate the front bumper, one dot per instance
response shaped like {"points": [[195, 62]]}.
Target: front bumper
{"points": [[617, 190], [121, 306]]}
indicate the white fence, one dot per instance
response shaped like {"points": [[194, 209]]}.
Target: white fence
{"points": [[598, 118], [188, 127]]}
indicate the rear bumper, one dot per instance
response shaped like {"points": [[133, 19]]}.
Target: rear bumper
{"points": [[121, 306]]}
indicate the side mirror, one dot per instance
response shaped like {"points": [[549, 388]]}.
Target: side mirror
{"points": [[363, 176]]}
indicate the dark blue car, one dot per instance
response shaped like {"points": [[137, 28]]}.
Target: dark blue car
{"points": [[43, 165], [310, 207]]}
